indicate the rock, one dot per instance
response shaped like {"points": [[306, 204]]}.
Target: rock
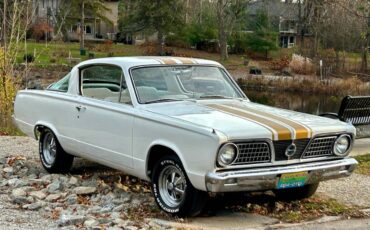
{"points": [[38, 195], [73, 181], [84, 190], [119, 208], [21, 200], [91, 223], [39, 181], [8, 170], [52, 197], [65, 220], [18, 192], [54, 187], [15, 182], [32, 207], [107, 208], [72, 199], [95, 210], [3, 160]]}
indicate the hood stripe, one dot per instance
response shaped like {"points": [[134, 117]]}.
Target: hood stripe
{"points": [[301, 131], [283, 133]]}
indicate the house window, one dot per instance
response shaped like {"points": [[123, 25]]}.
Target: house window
{"points": [[88, 29]]}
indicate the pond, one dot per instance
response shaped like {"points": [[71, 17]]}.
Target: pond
{"points": [[301, 102], [307, 103]]}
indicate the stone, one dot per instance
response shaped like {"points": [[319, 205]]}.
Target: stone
{"points": [[52, 197], [91, 223], [72, 199], [84, 190], [33, 206], [119, 208], [54, 187], [8, 170], [73, 181], [38, 195], [65, 220], [95, 210], [106, 209], [18, 192], [39, 181], [21, 200], [15, 182]]}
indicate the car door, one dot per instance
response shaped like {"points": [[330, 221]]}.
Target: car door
{"points": [[104, 120]]}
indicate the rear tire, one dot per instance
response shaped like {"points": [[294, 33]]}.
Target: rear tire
{"points": [[291, 194], [172, 189], [53, 158]]}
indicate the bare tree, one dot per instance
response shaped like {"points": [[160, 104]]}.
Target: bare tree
{"points": [[16, 18], [228, 13]]}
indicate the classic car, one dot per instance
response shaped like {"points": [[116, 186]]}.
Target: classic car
{"points": [[184, 125]]}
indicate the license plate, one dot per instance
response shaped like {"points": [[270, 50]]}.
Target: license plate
{"points": [[292, 180]]}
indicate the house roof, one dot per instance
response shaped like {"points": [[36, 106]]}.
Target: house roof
{"points": [[275, 8]]}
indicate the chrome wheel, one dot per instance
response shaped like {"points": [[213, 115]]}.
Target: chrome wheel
{"points": [[172, 185], [49, 149]]}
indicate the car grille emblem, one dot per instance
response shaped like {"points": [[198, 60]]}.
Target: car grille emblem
{"points": [[291, 150]]}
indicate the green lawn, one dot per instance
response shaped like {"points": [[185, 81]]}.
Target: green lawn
{"points": [[59, 52], [364, 164]]}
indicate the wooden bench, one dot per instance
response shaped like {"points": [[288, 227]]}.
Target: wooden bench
{"points": [[354, 110]]}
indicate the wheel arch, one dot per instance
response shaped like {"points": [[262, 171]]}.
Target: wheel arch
{"points": [[39, 126], [157, 151]]}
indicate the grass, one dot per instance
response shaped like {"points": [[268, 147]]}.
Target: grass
{"points": [[60, 52], [364, 164]]}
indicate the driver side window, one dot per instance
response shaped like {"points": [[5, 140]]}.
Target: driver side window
{"points": [[104, 82]]}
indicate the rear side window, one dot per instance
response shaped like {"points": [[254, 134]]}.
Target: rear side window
{"points": [[61, 85], [104, 82]]}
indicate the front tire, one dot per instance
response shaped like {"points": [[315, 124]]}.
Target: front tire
{"points": [[53, 158], [173, 191], [292, 194]]}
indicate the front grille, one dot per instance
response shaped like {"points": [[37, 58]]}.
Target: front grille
{"points": [[281, 146], [254, 152], [321, 146]]}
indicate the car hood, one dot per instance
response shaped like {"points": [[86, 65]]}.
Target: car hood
{"points": [[242, 119]]}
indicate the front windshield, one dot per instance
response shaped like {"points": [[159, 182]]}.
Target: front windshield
{"points": [[167, 83]]}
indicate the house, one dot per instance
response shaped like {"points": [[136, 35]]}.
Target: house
{"points": [[283, 16], [95, 28]]}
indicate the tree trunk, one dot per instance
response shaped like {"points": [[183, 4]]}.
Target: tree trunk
{"points": [[222, 35], [160, 42], [364, 59], [82, 26]]}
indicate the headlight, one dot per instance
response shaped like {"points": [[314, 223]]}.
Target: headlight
{"points": [[227, 154], [342, 145]]}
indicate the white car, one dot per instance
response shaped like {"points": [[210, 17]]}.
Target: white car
{"points": [[184, 125]]}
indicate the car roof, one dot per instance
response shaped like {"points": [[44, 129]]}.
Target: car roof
{"points": [[128, 62]]}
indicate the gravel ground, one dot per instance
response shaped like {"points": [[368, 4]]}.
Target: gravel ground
{"points": [[354, 190]]}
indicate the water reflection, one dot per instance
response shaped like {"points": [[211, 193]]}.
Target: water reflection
{"points": [[302, 102]]}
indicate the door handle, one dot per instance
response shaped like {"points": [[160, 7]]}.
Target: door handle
{"points": [[80, 107]]}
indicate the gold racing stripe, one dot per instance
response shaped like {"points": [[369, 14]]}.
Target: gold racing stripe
{"points": [[283, 132], [300, 130], [167, 61], [186, 60]]}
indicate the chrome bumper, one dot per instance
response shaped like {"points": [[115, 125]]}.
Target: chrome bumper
{"points": [[267, 178]]}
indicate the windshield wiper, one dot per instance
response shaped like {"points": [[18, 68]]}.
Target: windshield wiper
{"points": [[161, 100], [214, 97]]}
